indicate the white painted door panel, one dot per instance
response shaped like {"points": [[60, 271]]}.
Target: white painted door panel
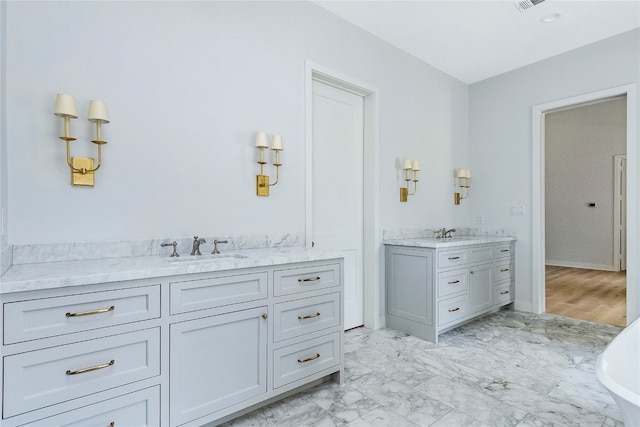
{"points": [[337, 188]]}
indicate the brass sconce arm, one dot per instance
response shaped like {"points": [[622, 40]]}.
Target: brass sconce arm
{"points": [[262, 180], [410, 168], [82, 169], [464, 183]]}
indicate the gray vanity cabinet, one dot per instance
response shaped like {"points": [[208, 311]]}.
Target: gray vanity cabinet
{"points": [[216, 362], [433, 290]]}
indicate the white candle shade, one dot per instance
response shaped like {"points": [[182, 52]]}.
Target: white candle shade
{"points": [[262, 141], [66, 106], [467, 173], [98, 112], [415, 165], [406, 164], [276, 143], [462, 173]]}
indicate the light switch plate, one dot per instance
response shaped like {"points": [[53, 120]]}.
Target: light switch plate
{"points": [[517, 209]]}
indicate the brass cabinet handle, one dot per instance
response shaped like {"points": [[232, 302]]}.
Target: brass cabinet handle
{"points": [[454, 282], [454, 257], [112, 424], [265, 315], [91, 312], [93, 368], [308, 316], [504, 250], [451, 310], [504, 292], [504, 269], [309, 359], [472, 272], [310, 279]]}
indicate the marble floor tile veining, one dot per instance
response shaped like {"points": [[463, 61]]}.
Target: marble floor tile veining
{"points": [[506, 369]]}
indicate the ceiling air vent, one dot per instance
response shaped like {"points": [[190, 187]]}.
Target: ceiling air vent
{"points": [[526, 4]]}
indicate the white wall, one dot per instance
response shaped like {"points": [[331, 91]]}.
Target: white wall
{"points": [[500, 129], [580, 145], [188, 84]]}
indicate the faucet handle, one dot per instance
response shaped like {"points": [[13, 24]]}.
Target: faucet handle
{"points": [[215, 245], [174, 244]]}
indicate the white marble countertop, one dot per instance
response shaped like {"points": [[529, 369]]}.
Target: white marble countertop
{"points": [[432, 242], [48, 275]]}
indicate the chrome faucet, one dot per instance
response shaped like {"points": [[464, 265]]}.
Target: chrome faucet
{"points": [[174, 244], [215, 245], [443, 233], [447, 233], [196, 245]]}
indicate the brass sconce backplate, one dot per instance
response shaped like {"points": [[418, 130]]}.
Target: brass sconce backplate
{"points": [[404, 193], [78, 178], [262, 185]]}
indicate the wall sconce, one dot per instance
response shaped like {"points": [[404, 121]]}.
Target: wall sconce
{"points": [[262, 180], [82, 170], [411, 169], [464, 182]]}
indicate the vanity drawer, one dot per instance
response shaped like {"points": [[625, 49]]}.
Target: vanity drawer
{"points": [[45, 377], [504, 250], [451, 282], [140, 409], [503, 295], [503, 270], [47, 317], [300, 317], [192, 295], [300, 360], [453, 258], [480, 253], [452, 309], [304, 279]]}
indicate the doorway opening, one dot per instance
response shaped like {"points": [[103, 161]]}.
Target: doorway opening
{"points": [[539, 232], [584, 182]]}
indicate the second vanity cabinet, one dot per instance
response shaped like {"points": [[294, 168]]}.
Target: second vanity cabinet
{"points": [[432, 290], [182, 350]]}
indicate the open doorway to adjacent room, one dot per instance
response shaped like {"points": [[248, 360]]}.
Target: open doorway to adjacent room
{"points": [[585, 211]]}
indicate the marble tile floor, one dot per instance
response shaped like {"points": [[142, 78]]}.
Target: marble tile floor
{"points": [[506, 369]]}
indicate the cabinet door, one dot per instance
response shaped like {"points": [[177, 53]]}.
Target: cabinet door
{"points": [[410, 284], [480, 287], [216, 362]]}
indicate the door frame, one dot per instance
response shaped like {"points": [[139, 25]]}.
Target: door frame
{"points": [[619, 257], [538, 194], [371, 205]]}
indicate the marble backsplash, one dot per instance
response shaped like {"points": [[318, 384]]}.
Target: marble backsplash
{"points": [[6, 259], [460, 231], [75, 251]]}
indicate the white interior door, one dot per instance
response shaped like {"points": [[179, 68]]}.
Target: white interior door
{"points": [[337, 183]]}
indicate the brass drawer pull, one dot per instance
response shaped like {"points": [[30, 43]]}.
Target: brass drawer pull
{"points": [[454, 257], [454, 282], [91, 312], [112, 424], [265, 316], [309, 359], [451, 310], [308, 316], [310, 279], [504, 250], [93, 368], [504, 292], [504, 269]]}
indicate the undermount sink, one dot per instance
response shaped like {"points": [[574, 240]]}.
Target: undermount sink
{"points": [[207, 258]]}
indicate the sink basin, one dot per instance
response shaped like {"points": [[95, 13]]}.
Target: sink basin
{"points": [[205, 258]]}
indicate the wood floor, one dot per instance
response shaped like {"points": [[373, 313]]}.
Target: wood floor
{"points": [[593, 295]]}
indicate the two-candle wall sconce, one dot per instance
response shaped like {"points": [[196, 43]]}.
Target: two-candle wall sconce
{"points": [[82, 169], [464, 182], [262, 180], [410, 168]]}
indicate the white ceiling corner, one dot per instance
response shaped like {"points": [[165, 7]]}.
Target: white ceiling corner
{"points": [[476, 40]]}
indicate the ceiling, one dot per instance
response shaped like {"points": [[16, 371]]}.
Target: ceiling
{"points": [[475, 40]]}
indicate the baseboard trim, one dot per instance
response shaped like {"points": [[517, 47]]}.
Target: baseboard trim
{"points": [[604, 267]]}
